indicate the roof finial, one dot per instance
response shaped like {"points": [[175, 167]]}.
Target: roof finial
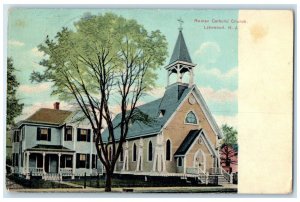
{"points": [[180, 23]]}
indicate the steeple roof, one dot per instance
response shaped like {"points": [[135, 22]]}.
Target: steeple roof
{"points": [[180, 52]]}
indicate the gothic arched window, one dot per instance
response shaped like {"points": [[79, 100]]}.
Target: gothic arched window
{"points": [[150, 151], [121, 154], [191, 118], [134, 152], [168, 150], [109, 154]]}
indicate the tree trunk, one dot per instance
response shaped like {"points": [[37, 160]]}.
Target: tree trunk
{"points": [[108, 182]]}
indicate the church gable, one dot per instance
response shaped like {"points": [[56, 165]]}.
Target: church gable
{"points": [[190, 115]]}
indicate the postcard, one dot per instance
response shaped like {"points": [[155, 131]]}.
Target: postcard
{"points": [[149, 100]]}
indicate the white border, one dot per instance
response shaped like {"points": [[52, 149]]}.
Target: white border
{"points": [[213, 4]]}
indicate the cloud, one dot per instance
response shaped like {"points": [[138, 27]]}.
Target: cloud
{"points": [[229, 120], [15, 43], [35, 51], [208, 52], [116, 109], [217, 74], [34, 88], [221, 95], [20, 23], [157, 92]]}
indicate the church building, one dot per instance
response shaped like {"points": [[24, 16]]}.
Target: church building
{"points": [[184, 139]]}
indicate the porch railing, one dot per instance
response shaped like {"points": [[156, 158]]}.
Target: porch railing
{"points": [[227, 176], [196, 171], [215, 171], [36, 171], [52, 176], [66, 171], [192, 170]]}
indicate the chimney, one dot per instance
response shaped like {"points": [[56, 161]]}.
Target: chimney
{"points": [[56, 105]]}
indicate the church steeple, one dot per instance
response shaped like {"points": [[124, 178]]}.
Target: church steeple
{"points": [[180, 61]]}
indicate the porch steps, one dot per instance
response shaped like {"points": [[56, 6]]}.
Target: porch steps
{"points": [[222, 180]]}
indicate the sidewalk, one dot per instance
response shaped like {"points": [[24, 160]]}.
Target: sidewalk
{"points": [[229, 188]]}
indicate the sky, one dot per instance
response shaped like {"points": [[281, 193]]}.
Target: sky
{"points": [[215, 51]]}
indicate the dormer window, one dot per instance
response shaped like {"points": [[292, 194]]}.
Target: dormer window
{"points": [[191, 118], [162, 113]]}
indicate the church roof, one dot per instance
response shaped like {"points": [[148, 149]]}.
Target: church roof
{"points": [[180, 52], [187, 142], [172, 98]]}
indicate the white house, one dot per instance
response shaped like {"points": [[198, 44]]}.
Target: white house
{"points": [[49, 145]]}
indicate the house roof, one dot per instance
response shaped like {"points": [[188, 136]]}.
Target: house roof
{"points": [[172, 98], [187, 142], [180, 52], [50, 116], [41, 147]]}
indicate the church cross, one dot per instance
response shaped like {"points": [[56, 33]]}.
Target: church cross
{"points": [[180, 23]]}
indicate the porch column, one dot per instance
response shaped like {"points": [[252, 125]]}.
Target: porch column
{"points": [[178, 74], [74, 165], [59, 154], [24, 163], [27, 166], [27, 163], [44, 154], [184, 164]]}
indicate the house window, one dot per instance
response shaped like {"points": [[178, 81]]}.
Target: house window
{"points": [[44, 134], [82, 160], [66, 161], [179, 161], [83, 135], [150, 150], [168, 150], [191, 118], [69, 133], [134, 152], [69, 162]]}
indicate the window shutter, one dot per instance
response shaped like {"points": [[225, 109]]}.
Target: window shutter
{"points": [[78, 134], [96, 159], [65, 137], [38, 136], [77, 160], [89, 135], [88, 161], [49, 134]]}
